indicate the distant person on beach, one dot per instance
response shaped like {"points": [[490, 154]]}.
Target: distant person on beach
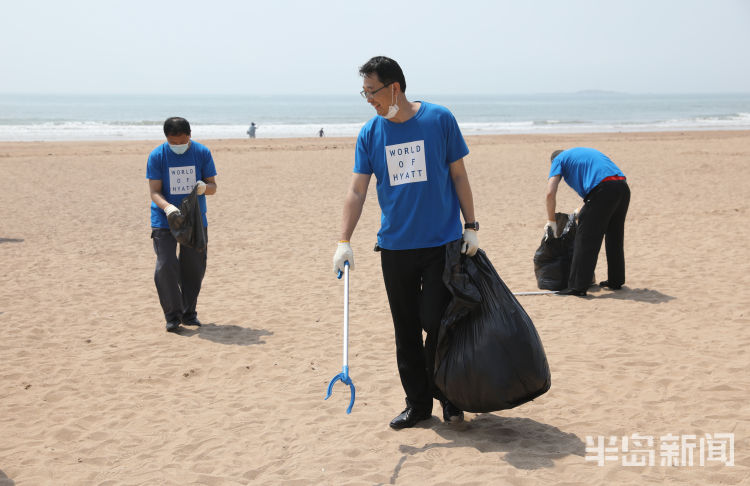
{"points": [[320, 133], [606, 197], [174, 168], [251, 130], [416, 151]]}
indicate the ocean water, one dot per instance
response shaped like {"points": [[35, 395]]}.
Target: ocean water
{"points": [[138, 117]]}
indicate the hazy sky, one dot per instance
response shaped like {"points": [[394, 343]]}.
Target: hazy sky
{"points": [[315, 47]]}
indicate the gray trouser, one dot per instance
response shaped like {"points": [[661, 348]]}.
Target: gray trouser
{"points": [[178, 279]]}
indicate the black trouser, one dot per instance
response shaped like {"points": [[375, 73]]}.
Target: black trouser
{"points": [[418, 297], [602, 215], [178, 280]]}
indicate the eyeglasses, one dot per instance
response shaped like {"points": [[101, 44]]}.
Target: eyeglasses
{"points": [[367, 95]]}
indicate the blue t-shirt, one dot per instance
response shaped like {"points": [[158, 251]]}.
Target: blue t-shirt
{"points": [[178, 175], [411, 162], [583, 168]]}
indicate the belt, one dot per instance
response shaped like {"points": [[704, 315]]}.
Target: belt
{"points": [[606, 179], [612, 178]]}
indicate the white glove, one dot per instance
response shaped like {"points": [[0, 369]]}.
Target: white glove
{"points": [[201, 188], [470, 242], [553, 225], [171, 209], [343, 253]]}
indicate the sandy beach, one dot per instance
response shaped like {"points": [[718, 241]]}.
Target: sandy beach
{"points": [[94, 391]]}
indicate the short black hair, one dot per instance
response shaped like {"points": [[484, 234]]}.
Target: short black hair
{"points": [[176, 126], [555, 154], [387, 70]]}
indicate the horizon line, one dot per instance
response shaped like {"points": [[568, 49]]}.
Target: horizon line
{"points": [[592, 92]]}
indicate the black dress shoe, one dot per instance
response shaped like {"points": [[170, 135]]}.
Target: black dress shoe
{"points": [[451, 413], [409, 418], [606, 283], [569, 291], [173, 326], [191, 322]]}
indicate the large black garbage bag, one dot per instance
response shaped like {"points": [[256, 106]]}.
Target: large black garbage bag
{"points": [[489, 356], [555, 253], [187, 226]]}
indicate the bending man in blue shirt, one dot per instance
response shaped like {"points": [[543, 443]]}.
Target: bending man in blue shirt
{"points": [[173, 169], [416, 151], [606, 197]]}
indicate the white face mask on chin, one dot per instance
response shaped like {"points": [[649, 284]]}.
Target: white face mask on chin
{"points": [[392, 110], [179, 149]]}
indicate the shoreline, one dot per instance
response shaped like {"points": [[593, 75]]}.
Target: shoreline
{"points": [[327, 140]]}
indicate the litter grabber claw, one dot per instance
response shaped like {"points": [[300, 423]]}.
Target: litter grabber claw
{"points": [[344, 375]]}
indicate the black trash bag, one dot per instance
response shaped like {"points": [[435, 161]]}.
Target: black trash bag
{"points": [[555, 253], [489, 356], [187, 225]]}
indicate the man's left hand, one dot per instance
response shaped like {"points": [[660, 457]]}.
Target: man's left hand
{"points": [[470, 242], [201, 188]]}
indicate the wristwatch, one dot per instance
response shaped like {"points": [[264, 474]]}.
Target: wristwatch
{"points": [[474, 226]]}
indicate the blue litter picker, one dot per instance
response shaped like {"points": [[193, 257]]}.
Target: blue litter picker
{"points": [[344, 375]]}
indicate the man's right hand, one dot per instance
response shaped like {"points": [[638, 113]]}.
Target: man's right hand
{"points": [[343, 254], [171, 209]]}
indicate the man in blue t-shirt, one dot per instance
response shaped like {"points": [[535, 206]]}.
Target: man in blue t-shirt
{"points": [[606, 197], [174, 168], [416, 151]]}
